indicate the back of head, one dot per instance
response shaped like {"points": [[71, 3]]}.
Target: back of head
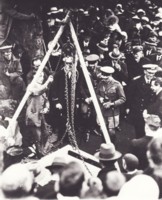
{"points": [[140, 187], [113, 183], [131, 162], [71, 179], [155, 150], [16, 181]]}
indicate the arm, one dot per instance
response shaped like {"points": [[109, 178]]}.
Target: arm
{"points": [[121, 96]]}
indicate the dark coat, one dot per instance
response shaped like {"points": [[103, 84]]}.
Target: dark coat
{"points": [[139, 97], [138, 147]]}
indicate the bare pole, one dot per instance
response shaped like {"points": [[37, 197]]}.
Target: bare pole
{"points": [[89, 84], [40, 69]]}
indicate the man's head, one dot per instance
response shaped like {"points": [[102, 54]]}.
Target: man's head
{"points": [[149, 70], [6, 51], [156, 84], [68, 61], [92, 60], [138, 53]]}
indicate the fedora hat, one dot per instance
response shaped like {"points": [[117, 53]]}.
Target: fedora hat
{"points": [[115, 54], [108, 152]]}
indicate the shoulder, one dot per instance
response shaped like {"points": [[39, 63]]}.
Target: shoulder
{"points": [[137, 78]]}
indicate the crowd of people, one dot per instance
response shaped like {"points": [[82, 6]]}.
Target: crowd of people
{"points": [[121, 46]]}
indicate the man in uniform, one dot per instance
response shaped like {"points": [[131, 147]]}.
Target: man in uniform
{"points": [[111, 96], [139, 97]]}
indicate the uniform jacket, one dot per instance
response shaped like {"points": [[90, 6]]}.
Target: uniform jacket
{"points": [[111, 90], [139, 97]]}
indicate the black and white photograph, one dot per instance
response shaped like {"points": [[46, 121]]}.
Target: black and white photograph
{"points": [[81, 99]]}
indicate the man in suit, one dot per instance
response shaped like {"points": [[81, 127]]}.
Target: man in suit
{"points": [[60, 96], [139, 97], [120, 68]]}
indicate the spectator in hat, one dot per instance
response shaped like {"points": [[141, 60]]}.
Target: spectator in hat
{"points": [[120, 68], [108, 157], [141, 13], [140, 97], [130, 164], [156, 57], [111, 96], [134, 61], [11, 72], [102, 49]]}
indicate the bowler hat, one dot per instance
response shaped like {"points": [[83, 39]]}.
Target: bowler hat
{"points": [[108, 152]]}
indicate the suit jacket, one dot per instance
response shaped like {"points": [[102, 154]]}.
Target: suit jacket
{"points": [[138, 147], [156, 106]]}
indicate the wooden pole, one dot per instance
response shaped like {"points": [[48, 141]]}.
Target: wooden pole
{"points": [[89, 84], [40, 69]]}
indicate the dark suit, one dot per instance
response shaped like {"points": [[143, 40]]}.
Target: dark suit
{"points": [[138, 147], [139, 97]]}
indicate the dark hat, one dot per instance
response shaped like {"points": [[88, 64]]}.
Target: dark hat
{"points": [[107, 152], [150, 42], [115, 53], [92, 58], [102, 46], [107, 70], [58, 162]]}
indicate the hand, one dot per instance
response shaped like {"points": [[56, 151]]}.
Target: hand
{"points": [[59, 106], [107, 104], [50, 79], [101, 99], [118, 67], [44, 111], [88, 100]]}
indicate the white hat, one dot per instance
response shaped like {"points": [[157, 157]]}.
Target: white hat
{"points": [[152, 68], [107, 69]]}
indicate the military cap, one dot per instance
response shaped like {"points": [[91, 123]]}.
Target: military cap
{"points": [[150, 67], [5, 46], [107, 70], [92, 58]]}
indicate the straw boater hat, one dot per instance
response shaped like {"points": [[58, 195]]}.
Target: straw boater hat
{"points": [[107, 152]]}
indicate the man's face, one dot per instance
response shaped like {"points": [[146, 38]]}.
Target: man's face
{"points": [[149, 74], [7, 54], [154, 87], [138, 55]]}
